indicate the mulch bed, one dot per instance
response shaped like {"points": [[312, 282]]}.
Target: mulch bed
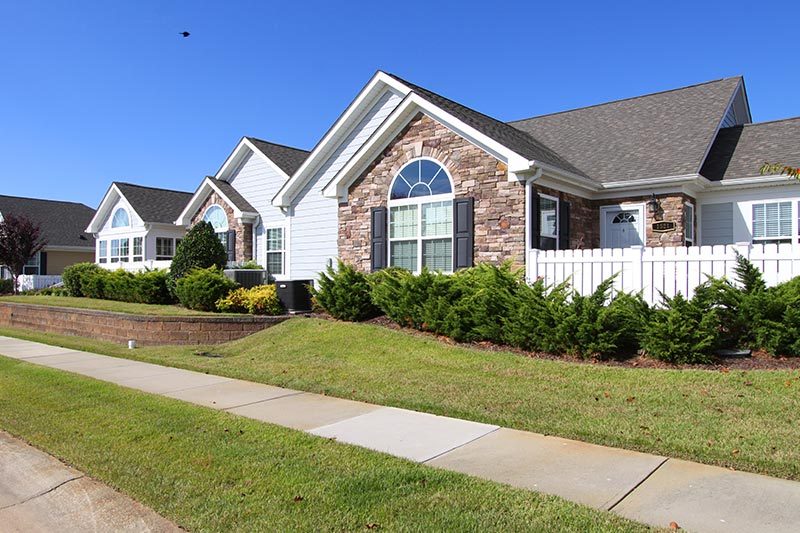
{"points": [[757, 361]]}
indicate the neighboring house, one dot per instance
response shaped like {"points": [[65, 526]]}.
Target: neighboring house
{"points": [[133, 226], [237, 202], [62, 227], [438, 184]]}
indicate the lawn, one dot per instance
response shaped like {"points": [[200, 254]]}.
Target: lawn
{"points": [[213, 471], [745, 420], [104, 305]]}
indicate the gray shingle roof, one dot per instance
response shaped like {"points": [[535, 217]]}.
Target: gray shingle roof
{"points": [[739, 152], [656, 135], [515, 139], [62, 223], [233, 195], [154, 204], [287, 158]]}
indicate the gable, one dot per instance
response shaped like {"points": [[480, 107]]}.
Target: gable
{"points": [[257, 182], [121, 203]]}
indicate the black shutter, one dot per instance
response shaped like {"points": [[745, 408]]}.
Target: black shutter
{"points": [[43, 263], [535, 219], [463, 232], [379, 253], [231, 242], [563, 225]]}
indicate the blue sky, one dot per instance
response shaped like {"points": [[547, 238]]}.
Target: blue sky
{"points": [[98, 91]]}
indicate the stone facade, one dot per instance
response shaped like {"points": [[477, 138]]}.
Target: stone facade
{"points": [[499, 204], [672, 209], [244, 231], [121, 327], [584, 218]]}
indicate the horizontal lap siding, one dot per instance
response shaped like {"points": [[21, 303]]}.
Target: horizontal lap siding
{"points": [[314, 225], [258, 182], [717, 223]]}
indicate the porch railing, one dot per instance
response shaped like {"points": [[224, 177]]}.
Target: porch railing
{"points": [[670, 270], [33, 282]]}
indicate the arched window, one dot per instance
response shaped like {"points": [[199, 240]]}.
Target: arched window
{"points": [[421, 217], [215, 216], [120, 218]]}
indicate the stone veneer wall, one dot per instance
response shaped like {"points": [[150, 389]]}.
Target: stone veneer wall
{"points": [[499, 205], [672, 210], [121, 327], [244, 232], [584, 215]]}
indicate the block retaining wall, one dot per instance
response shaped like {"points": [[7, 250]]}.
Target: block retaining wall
{"points": [[121, 327]]}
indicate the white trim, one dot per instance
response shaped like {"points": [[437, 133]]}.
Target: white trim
{"points": [[114, 214], [103, 209], [694, 223], [285, 250], [377, 85], [396, 121], [205, 189], [227, 224], [558, 218], [731, 100], [235, 157], [604, 209]]}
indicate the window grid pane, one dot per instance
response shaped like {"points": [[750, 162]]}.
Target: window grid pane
{"points": [[772, 220], [437, 254], [275, 239], [403, 222], [275, 262], [437, 219], [548, 216], [404, 255]]}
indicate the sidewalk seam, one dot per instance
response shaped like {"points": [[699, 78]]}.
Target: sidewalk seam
{"points": [[459, 446], [261, 401], [639, 484]]}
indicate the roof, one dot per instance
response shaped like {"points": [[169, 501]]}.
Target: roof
{"points": [[62, 223], [287, 158], [517, 140], [740, 151], [153, 204], [656, 135], [233, 195]]}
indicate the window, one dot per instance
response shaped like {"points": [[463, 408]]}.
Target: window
{"points": [[688, 223], [275, 251], [216, 216], [165, 248], [421, 218], [32, 265], [772, 222], [137, 249], [548, 222], [102, 253], [120, 219], [119, 251]]}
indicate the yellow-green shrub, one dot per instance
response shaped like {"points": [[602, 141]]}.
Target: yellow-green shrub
{"points": [[259, 300]]}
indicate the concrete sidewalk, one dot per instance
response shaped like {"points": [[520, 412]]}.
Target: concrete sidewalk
{"points": [[39, 493], [648, 488]]}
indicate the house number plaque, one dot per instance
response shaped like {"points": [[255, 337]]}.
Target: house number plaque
{"points": [[664, 227]]}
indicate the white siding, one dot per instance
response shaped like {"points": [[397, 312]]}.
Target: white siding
{"points": [[314, 222], [258, 182], [717, 223]]}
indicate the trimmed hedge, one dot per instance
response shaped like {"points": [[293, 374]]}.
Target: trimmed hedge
{"points": [[91, 281], [202, 288]]}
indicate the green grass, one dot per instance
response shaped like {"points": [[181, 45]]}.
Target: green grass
{"points": [[213, 471], [104, 305], [745, 420]]}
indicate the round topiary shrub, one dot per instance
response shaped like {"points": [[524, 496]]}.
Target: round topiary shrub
{"points": [[200, 248], [201, 288], [75, 277]]}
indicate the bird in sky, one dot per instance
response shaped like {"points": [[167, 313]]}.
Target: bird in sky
{"points": [[185, 33]]}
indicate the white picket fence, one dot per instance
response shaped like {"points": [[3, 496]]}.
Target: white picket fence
{"points": [[669, 270], [33, 282]]}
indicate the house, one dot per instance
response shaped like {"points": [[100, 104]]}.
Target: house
{"points": [[436, 184], [133, 226], [237, 201], [62, 227]]}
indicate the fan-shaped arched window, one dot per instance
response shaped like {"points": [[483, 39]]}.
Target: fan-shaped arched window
{"points": [[623, 217], [216, 216], [120, 218], [421, 217]]}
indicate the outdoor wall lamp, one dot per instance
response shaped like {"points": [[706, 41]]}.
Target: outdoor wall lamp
{"points": [[653, 205]]}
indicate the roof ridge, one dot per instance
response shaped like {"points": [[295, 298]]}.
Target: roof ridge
{"points": [[43, 200], [763, 123], [629, 98], [277, 144], [148, 187]]}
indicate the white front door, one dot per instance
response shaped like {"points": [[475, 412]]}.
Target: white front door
{"points": [[622, 227]]}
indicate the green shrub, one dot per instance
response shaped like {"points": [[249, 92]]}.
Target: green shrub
{"points": [[74, 277], [409, 300], [93, 283], [259, 300], [200, 248], [682, 332], [201, 288], [152, 287], [50, 291], [119, 285], [6, 286], [250, 265], [345, 294]]}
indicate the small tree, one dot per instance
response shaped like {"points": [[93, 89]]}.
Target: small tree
{"points": [[199, 249], [20, 239]]}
